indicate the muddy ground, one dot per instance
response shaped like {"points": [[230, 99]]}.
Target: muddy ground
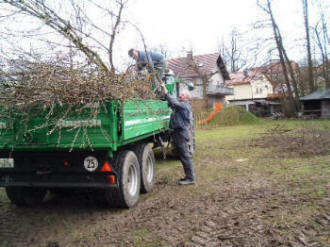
{"points": [[247, 194]]}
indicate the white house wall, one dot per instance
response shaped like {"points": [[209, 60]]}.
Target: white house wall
{"points": [[261, 88], [240, 92], [197, 93], [258, 89], [217, 79]]}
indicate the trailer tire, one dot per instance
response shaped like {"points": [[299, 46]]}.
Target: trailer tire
{"points": [[25, 196], [127, 193], [146, 159]]}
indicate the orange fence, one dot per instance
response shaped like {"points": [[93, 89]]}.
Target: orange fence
{"points": [[218, 107]]}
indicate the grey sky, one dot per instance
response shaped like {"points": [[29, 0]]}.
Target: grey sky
{"points": [[201, 24], [195, 24]]}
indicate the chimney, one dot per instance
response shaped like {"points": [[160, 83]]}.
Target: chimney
{"points": [[189, 54], [245, 72]]}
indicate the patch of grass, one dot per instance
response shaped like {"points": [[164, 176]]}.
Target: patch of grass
{"points": [[228, 134], [142, 238], [285, 218], [148, 244], [233, 115], [141, 233], [4, 243], [297, 169], [225, 154], [289, 142], [323, 124]]}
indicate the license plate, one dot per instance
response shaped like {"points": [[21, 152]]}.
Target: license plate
{"points": [[7, 163]]}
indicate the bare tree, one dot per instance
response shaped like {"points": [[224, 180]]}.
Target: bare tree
{"points": [[205, 76], [284, 60], [322, 42], [232, 52], [73, 29], [116, 20], [308, 46], [162, 49]]}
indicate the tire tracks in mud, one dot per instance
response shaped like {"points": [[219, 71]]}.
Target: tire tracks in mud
{"points": [[10, 233], [233, 215], [32, 226], [241, 224]]}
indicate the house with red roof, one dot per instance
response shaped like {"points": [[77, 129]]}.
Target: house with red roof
{"points": [[255, 91], [259, 89], [191, 68]]}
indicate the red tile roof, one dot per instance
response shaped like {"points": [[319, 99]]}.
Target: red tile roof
{"points": [[181, 68], [275, 68], [239, 78]]}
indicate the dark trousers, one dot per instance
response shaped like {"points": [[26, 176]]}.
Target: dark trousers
{"points": [[181, 141]]}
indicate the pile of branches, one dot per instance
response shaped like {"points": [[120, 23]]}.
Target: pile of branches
{"points": [[28, 83]]}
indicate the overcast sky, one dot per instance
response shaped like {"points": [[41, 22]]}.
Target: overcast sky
{"points": [[200, 25]]}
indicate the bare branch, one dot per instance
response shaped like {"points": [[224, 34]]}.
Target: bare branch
{"points": [[39, 10]]}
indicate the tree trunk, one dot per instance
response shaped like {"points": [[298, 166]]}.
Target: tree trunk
{"points": [[113, 36], [292, 74], [279, 45], [308, 47], [205, 81]]}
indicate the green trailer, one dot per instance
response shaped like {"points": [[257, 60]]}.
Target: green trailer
{"points": [[104, 146]]}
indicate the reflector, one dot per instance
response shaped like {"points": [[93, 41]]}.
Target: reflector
{"points": [[111, 179], [66, 163], [106, 167]]}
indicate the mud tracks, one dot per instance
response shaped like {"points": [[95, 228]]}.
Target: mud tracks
{"points": [[244, 221]]}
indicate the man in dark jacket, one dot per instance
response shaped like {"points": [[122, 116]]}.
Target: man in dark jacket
{"points": [[149, 60], [180, 123]]}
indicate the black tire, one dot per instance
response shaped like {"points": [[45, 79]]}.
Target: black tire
{"points": [[129, 181], [146, 159], [26, 196]]}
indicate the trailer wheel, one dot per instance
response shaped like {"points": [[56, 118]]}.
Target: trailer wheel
{"points": [[129, 181], [25, 196], [146, 159]]}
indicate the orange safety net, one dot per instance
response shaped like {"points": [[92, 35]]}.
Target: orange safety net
{"points": [[218, 107]]}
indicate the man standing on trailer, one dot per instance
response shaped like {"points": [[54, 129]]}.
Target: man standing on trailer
{"points": [[149, 60], [180, 123]]}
